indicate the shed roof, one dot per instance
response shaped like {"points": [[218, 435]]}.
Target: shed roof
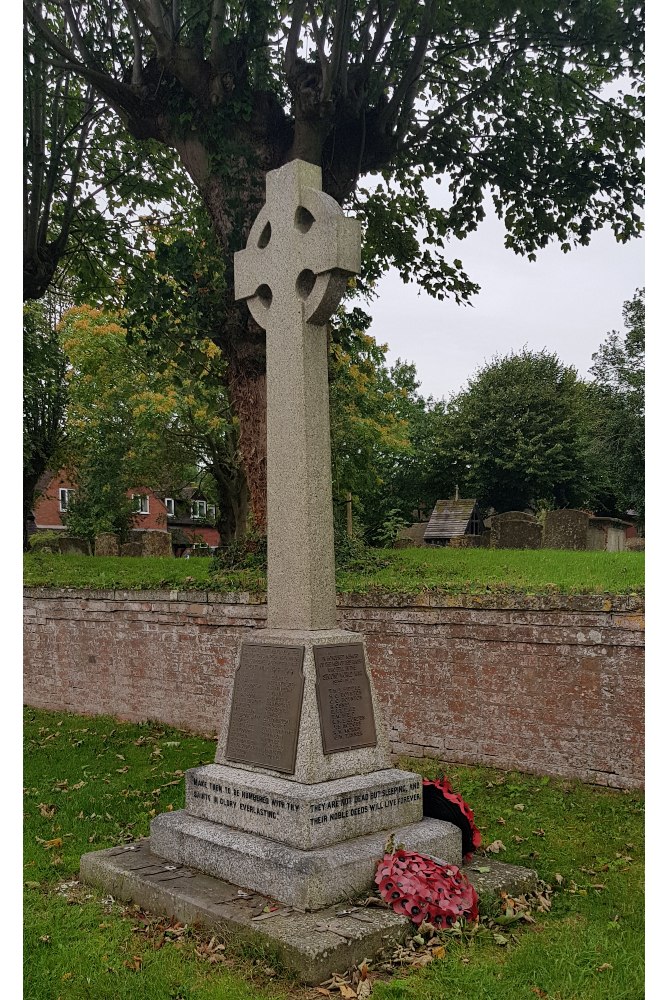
{"points": [[450, 518]]}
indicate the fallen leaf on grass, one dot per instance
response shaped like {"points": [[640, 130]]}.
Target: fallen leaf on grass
{"points": [[500, 939], [502, 821], [67, 975], [539, 833], [496, 847], [32, 885], [519, 807], [135, 964], [538, 992], [47, 811], [211, 951], [604, 967], [439, 952], [56, 842], [79, 784], [422, 960]]}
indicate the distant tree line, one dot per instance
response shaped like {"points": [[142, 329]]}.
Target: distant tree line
{"points": [[526, 432]]}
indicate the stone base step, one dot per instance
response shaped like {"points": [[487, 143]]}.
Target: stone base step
{"points": [[311, 946], [310, 880], [304, 816]]}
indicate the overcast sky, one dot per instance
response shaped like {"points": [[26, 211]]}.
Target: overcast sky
{"points": [[564, 302]]}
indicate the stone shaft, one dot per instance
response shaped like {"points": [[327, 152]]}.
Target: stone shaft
{"points": [[301, 587], [292, 273]]}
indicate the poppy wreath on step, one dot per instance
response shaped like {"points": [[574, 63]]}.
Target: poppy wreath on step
{"points": [[442, 802], [420, 888]]}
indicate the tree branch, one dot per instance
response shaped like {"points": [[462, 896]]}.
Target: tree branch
{"points": [[292, 48], [402, 100], [137, 75]]}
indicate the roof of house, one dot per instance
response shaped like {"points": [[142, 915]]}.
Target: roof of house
{"points": [[450, 518]]}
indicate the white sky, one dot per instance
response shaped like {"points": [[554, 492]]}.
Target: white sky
{"points": [[564, 302]]}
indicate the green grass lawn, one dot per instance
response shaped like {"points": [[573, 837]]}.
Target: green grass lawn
{"points": [[450, 571], [95, 783]]}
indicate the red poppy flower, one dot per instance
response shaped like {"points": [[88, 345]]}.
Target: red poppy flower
{"points": [[422, 889]]}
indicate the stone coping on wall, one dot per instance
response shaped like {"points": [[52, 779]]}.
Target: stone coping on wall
{"points": [[605, 603]]}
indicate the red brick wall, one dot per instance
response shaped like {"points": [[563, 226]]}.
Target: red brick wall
{"points": [[48, 515], [550, 685]]}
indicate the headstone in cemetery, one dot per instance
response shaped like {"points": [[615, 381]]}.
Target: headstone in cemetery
{"points": [[131, 549], [514, 529], [70, 546], [107, 544], [566, 529], [302, 792], [156, 543]]}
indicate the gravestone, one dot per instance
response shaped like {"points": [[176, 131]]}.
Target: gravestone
{"points": [[514, 529], [107, 544], [566, 529], [302, 794]]}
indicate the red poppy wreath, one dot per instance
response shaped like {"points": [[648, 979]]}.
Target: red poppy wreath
{"points": [[421, 888], [442, 802]]}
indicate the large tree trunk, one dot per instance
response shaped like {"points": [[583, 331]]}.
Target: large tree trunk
{"points": [[247, 388]]}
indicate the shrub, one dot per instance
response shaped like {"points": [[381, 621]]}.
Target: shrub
{"points": [[45, 541]]}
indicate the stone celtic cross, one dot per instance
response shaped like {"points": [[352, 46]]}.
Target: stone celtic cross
{"points": [[300, 252]]}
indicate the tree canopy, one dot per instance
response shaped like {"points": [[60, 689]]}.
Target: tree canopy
{"points": [[617, 403], [517, 434], [519, 99], [44, 396]]}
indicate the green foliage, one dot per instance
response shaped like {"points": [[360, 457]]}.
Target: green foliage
{"points": [[517, 434], [44, 396], [391, 526], [247, 552], [617, 406], [141, 419], [519, 100], [45, 541], [84, 180], [383, 432]]}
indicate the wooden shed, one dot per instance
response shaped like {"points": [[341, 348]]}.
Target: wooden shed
{"points": [[453, 519]]}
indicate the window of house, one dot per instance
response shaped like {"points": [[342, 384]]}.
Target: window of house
{"points": [[65, 498], [169, 504], [210, 510], [141, 503], [199, 508]]}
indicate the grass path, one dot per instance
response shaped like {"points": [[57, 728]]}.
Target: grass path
{"points": [[95, 783]]}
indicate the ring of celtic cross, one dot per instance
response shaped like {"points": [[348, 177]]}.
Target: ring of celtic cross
{"points": [[300, 252]]}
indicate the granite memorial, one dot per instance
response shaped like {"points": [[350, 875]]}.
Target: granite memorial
{"points": [[301, 797]]}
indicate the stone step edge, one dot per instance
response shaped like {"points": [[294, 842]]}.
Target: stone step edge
{"points": [[310, 954]]}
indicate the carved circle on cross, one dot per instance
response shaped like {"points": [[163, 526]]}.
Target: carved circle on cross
{"points": [[300, 252]]}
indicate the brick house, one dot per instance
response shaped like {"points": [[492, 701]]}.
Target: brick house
{"points": [[55, 491], [187, 515], [191, 520]]}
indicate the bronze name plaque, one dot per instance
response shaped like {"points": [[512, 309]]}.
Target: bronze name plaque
{"points": [[266, 707], [344, 698]]}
